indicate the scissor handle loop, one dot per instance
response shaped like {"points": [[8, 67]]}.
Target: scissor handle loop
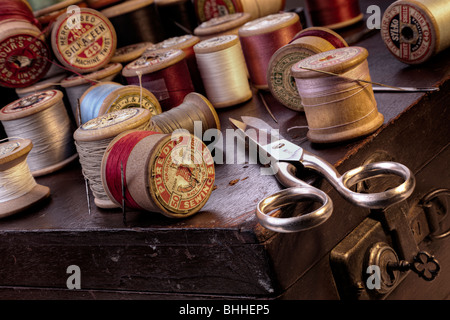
{"points": [[298, 223]]}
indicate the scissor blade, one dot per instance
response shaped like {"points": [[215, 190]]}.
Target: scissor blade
{"points": [[261, 124], [276, 148]]}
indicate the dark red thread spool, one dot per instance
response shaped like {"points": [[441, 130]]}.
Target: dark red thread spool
{"points": [[24, 54], [260, 39], [165, 74], [334, 14]]}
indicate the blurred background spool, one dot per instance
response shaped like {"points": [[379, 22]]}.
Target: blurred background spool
{"points": [[43, 85], [24, 55], [135, 21], [98, 4], [18, 189], [127, 54], [306, 43], [172, 175], [336, 108], [106, 97], [185, 43], [87, 48], [93, 137], [165, 74], [76, 85], [42, 118], [334, 14], [260, 39], [414, 31], [177, 16], [223, 25], [49, 14], [223, 71], [195, 108]]}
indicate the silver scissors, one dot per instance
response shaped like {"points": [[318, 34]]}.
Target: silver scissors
{"points": [[282, 153]]}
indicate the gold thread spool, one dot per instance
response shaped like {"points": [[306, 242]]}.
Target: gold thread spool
{"points": [[195, 107], [223, 70], [13, 153], [93, 137], [337, 109], [53, 144], [223, 25], [123, 97], [414, 31], [152, 173], [281, 83]]}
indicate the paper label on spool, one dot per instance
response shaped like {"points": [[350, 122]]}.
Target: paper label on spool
{"points": [[208, 9], [133, 100], [408, 33], [267, 21], [32, 101], [88, 47], [216, 41], [152, 58], [169, 43], [328, 58], [221, 20], [22, 60], [8, 148], [183, 174], [109, 119]]}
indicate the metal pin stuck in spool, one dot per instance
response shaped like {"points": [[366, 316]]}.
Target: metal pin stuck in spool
{"points": [[337, 108], [18, 189], [170, 174]]}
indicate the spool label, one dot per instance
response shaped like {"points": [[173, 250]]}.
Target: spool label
{"points": [[328, 58], [208, 9], [216, 41], [183, 174], [408, 33], [8, 148], [28, 102], [153, 58], [169, 43], [267, 21], [21, 61], [109, 119], [133, 100], [89, 46], [221, 20]]}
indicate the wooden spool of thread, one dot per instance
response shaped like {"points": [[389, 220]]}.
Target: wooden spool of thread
{"points": [[18, 189], [223, 25], [135, 21], [98, 4], [165, 74], [185, 43], [127, 54], [334, 14], [223, 70], [24, 54], [305, 44], [42, 118], [93, 137], [194, 110], [166, 173], [76, 85], [208, 9], [177, 16], [260, 39], [43, 85], [414, 31], [336, 108], [87, 48], [107, 97]]}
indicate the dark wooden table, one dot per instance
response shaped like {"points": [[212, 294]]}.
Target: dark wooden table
{"points": [[222, 252]]}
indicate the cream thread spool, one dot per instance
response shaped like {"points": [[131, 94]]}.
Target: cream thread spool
{"points": [[165, 173], [414, 31], [223, 25], [261, 38], [337, 109], [76, 85], [195, 107], [18, 189], [110, 96], [305, 44], [93, 137], [223, 70], [84, 49], [42, 118]]}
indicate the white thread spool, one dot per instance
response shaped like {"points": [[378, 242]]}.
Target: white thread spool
{"points": [[223, 70], [18, 189], [336, 108], [42, 118], [92, 139]]}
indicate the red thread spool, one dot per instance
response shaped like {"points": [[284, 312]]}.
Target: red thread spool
{"points": [[24, 55], [334, 14], [260, 39], [170, 174], [165, 74]]}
